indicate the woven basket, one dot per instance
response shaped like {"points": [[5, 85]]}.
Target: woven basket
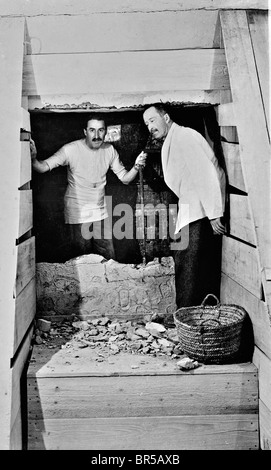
{"points": [[210, 334]]}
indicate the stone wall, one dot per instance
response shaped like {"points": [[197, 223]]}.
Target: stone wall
{"points": [[90, 286]]}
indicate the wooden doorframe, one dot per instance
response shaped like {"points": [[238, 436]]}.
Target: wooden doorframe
{"points": [[245, 38], [17, 256]]}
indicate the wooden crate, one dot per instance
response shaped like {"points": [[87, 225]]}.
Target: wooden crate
{"points": [[133, 401]]}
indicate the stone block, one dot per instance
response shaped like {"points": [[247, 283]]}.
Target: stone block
{"points": [[90, 287], [43, 325]]}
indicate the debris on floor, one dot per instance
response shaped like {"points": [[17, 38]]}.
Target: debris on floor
{"points": [[111, 336], [187, 364]]}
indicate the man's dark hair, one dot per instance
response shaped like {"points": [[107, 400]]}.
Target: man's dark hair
{"points": [[162, 108], [96, 116]]}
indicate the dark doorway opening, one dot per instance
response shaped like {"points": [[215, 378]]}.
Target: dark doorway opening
{"points": [[52, 129]]}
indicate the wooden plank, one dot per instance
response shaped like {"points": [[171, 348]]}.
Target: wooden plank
{"points": [[258, 26], [25, 264], [251, 124], [101, 397], [16, 408], [234, 293], [25, 123], [11, 63], [24, 101], [233, 164], [228, 133], [16, 441], [47, 372], [53, 363], [67, 7], [202, 69], [231, 432], [225, 114], [130, 32], [265, 426], [26, 212], [25, 173], [263, 363], [25, 310], [25, 167], [240, 262], [241, 224]]}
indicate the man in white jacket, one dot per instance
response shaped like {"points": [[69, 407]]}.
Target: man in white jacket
{"points": [[191, 171]]}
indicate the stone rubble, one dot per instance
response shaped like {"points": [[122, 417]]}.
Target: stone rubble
{"points": [[187, 364], [111, 336], [43, 325]]}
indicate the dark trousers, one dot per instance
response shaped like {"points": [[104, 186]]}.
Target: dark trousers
{"points": [[198, 265], [92, 237]]}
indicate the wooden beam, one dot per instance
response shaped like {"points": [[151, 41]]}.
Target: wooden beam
{"points": [[240, 262], [25, 166], [263, 363], [130, 32], [259, 31], [227, 133], [241, 224], [25, 264], [25, 310], [69, 397], [25, 120], [54, 365], [233, 164], [233, 292], [16, 416], [84, 7], [125, 72], [268, 274], [225, 115], [251, 125], [265, 426], [11, 64], [232, 432], [26, 212]]}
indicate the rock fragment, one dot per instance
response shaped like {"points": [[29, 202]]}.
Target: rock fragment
{"points": [[155, 326], [43, 325], [187, 364]]}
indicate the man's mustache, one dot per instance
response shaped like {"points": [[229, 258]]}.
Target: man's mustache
{"points": [[97, 139]]}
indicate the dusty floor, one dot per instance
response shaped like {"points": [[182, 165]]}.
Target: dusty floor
{"points": [[102, 340]]}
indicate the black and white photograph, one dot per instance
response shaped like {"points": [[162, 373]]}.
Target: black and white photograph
{"points": [[135, 215]]}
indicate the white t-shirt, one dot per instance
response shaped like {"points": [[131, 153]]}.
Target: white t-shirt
{"points": [[85, 195]]}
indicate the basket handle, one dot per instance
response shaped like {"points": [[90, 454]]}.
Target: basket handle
{"points": [[210, 295]]}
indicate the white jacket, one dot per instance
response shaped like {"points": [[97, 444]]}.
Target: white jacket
{"points": [[192, 172]]}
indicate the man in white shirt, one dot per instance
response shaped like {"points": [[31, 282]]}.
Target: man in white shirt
{"points": [[88, 161], [192, 172]]}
